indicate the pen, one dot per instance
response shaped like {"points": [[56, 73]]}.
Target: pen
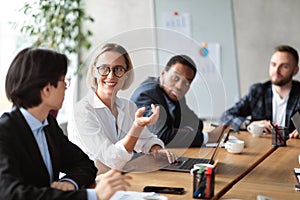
{"points": [[214, 125], [199, 189], [280, 135], [208, 173], [215, 164], [278, 132], [197, 193], [202, 181], [227, 135]]}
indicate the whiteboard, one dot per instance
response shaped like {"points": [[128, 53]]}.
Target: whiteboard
{"points": [[202, 21]]}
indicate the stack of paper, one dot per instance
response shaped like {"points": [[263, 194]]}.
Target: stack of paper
{"points": [[131, 195]]}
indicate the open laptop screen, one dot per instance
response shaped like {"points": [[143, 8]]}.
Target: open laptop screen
{"points": [[296, 120]]}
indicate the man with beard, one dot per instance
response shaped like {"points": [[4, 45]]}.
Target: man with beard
{"points": [[178, 125], [273, 101]]}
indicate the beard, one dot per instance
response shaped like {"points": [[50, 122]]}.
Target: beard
{"points": [[283, 81]]}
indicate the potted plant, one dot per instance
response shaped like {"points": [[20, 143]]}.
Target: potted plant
{"points": [[57, 24]]}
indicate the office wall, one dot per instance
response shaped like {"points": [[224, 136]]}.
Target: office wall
{"points": [[257, 27], [211, 22], [127, 23], [260, 25], [114, 18]]}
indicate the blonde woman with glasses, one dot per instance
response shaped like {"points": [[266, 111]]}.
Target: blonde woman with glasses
{"points": [[108, 128]]}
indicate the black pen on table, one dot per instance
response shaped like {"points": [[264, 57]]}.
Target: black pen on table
{"points": [[214, 125], [127, 171]]}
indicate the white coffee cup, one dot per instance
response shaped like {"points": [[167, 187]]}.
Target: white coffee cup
{"points": [[235, 146], [256, 129], [198, 165]]}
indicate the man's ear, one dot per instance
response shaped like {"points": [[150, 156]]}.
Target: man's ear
{"points": [[296, 70], [163, 73], [162, 76], [46, 90]]}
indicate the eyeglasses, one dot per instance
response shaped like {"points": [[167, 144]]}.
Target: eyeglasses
{"points": [[67, 82], [118, 70], [176, 77]]}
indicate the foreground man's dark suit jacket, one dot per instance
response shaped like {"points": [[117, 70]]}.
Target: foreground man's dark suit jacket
{"points": [[23, 174]]}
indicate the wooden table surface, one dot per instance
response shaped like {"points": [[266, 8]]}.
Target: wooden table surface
{"points": [[230, 170], [273, 178]]}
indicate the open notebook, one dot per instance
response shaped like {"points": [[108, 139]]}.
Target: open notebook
{"points": [[185, 164]]}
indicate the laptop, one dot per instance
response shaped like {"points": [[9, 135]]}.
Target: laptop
{"points": [[185, 164], [296, 120]]}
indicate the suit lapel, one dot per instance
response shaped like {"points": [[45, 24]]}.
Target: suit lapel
{"points": [[177, 114], [291, 105], [29, 143], [165, 105], [268, 100]]}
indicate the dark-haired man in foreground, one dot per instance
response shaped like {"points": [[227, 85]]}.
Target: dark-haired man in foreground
{"points": [[33, 149]]}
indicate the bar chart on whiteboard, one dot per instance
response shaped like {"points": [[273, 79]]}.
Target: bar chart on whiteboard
{"points": [[210, 56], [209, 53], [194, 29], [180, 22]]}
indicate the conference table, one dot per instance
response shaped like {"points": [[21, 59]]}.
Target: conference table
{"points": [[259, 169], [273, 178]]}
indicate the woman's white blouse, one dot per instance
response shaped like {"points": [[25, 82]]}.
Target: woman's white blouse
{"points": [[92, 127]]}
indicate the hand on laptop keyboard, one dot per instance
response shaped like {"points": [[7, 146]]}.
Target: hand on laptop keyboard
{"points": [[172, 158]]}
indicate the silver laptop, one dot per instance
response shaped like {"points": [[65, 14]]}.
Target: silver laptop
{"points": [[185, 164]]}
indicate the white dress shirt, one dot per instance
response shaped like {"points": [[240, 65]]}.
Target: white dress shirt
{"points": [[279, 108], [93, 128], [37, 129]]}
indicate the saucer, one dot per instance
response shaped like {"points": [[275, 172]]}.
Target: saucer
{"points": [[233, 151]]}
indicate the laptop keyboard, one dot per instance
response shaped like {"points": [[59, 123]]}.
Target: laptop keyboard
{"points": [[189, 164]]}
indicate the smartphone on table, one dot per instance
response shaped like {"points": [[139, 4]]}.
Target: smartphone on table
{"points": [[167, 190]]}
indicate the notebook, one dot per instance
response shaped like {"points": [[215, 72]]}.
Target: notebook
{"points": [[185, 164]]}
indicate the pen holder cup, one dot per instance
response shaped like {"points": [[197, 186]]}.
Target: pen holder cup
{"points": [[203, 182], [279, 136]]}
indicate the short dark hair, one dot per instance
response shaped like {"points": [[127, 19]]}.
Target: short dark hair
{"points": [[290, 50], [30, 71], [184, 60]]}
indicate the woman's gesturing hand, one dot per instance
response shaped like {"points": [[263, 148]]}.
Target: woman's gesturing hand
{"points": [[142, 121]]}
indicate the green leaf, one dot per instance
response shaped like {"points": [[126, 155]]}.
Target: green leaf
{"points": [[56, 24]]}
